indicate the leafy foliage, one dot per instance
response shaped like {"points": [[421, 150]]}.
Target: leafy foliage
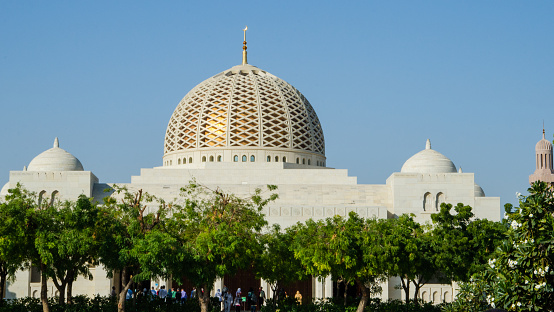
{"points": [[334, 246], [216, 234], [276, 264], [520, 276]]}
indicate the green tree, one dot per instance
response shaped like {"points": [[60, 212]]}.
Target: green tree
{"points": [[334, 247], [277, 264], [128, 234], [15, 240], [401, 247], [216, 233], [69, 244], [520, 276], [451, 245]]}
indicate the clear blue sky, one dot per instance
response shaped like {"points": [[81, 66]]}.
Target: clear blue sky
{"points": [[476, 77]]}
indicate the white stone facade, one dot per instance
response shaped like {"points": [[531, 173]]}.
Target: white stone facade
{"points": [[293, 159]]}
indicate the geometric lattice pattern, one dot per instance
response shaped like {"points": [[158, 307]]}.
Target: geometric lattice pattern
{"points": [[244, 107]]}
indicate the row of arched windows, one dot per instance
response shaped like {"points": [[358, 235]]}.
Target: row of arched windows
{"points": [[268, 159], [52, 197], [544, 161], [244, 158], [431, 202]]}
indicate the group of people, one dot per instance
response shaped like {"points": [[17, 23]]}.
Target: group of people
{"points": [[252, 301], [172, 295]]}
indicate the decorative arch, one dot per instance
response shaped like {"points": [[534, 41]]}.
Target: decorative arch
{"points": [[41, 196], [436, 298], [53, 198], [447, 297], [427, 201], [424, 296], [439, 200]]}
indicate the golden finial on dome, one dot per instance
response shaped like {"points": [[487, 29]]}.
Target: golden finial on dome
{"points": [[244, 61]]}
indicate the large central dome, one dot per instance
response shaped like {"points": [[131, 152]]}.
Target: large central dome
{"points": [[244, 114]]}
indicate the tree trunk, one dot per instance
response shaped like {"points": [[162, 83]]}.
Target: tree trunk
{"points": [[365, 296], [3, 276], [61, 290], [345, 292], [44, 289], [70, 287], [123, 293], [406, 287], [203, 298]]}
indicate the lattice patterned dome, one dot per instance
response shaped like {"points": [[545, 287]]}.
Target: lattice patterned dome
{"points": [[244, 114]]}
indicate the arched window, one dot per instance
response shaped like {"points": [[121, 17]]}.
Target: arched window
{"points": [[190, 160], [276, 158], [252, 158], [219, 158], [309, 162], [179, 161], [211, 159], [243, 158], [317, 162], [41, 196], [268, 158], [284, 159], [303, 161], [439, 201], [436, 298], [427, 202], [53, 198], [184, 160], [203, 158], [171, 162], [447, 297], [424, 296], [235, 158], [297, 160]]}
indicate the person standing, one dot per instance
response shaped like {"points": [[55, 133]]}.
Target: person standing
{"points": [[298, 297], [253, 302], [227, 302], [163, 293], [261, 297]]}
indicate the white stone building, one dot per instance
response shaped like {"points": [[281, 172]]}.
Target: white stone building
{"points": [[245, 128]]}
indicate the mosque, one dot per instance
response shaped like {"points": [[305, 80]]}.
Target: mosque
{"points": [[245, 128]]}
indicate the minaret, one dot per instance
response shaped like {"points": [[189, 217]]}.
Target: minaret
{"points": [[543, 160]]}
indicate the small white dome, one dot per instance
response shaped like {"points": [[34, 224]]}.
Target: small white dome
{"points": [[544, 144], [5, 189], [478, 191], [428, 161], [55, 159]]}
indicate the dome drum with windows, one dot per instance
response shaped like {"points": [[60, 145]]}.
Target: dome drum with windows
{"points": [[244, 114]]}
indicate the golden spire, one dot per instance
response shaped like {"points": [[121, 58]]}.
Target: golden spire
{"points": [[244, 61]]}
